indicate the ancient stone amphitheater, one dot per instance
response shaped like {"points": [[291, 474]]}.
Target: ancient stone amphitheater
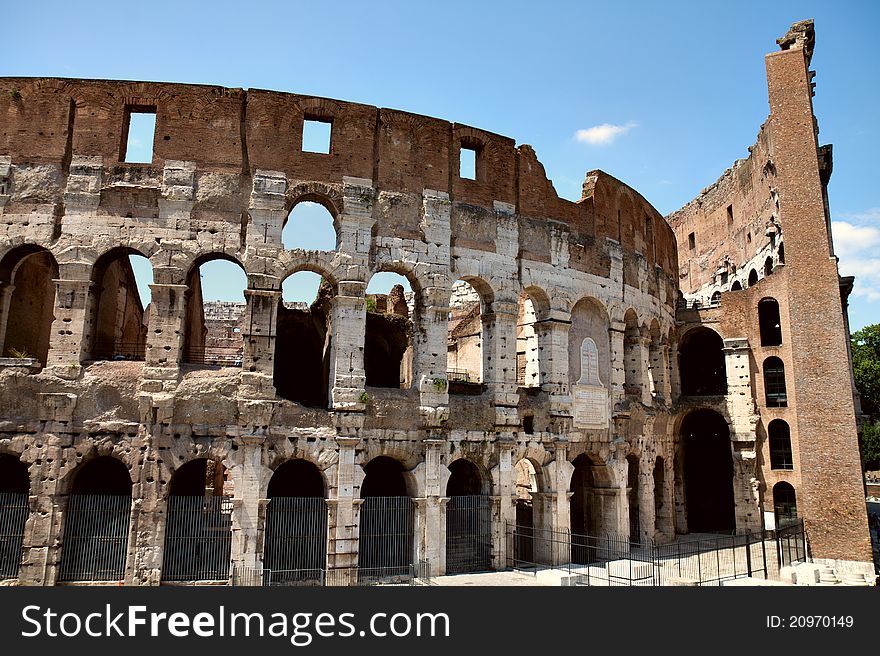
{"points": [[570, 369]]}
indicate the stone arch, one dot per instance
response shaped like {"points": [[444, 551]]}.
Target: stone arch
{"points": [[117, 317], [533, 307], [318, 199], [27, 300], [753, 278], [632, 358], [295, 538], [468, 518], [212, 335], [391, 343], [589, 320], [656, 361], [702, 370], [467, 353], [94, 540], [708, 472]]}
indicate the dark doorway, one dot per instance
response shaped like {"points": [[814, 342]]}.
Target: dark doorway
{"points": [[386, 549], [95, 536], [198, 534], [14, 489], [769, 322], [784, 505], [584, 509], [701, 363], [708, 473], [295, 551], [632, 486], [468, 521], [30, 270]]}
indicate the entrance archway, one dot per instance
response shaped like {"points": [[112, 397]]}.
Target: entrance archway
{"points": [[387, 521], [708, 473], [468, 520], [14, 488], [95, 536], [295, 549]]}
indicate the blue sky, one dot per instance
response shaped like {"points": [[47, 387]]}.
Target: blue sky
{"points": [[664, 96]]}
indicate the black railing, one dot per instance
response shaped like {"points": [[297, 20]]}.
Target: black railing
{"points": [[609, 559], [114, 350], [13, 515], [459, 376], [220, 356], [198, 538], [95, 539]]}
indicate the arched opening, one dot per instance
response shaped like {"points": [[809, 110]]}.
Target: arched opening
{"points": [[659, 476], [215, 309], [386, 549], [632, 356], [465, 338], [303, 339], [27, 294], [769, 322], [784, 505], [528, 369], [736, 286], [708, 473], [468, 520], [388, 342], [701, 363], [774, 383], [524, 534], [781, 253], [632, 495], [592, 508], [753, 278], [295, 544], [14, 489], [95, 540], [119, 316], [589, 363], [779, 437], [198, 532], [768, 266], [716, 298], [309, 226]]}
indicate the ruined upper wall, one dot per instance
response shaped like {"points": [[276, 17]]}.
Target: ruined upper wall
{"points": [[731, 222], [229, 134]]}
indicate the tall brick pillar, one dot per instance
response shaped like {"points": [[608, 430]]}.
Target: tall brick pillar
{"points": [[831, 497]]}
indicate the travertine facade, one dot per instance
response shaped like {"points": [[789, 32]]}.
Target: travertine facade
{"points": [[592, 414]]}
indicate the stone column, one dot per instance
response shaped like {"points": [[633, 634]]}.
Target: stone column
{"points": [[344, 514], [69, 339], [672, 368], [258, 339], [743, 419], [643, 360], [166, 329], [499, 360], [503, 504], [246, 503], [618, 371], [433, 539], [429, 367], [348, 323], [6, 290], [559, 474], [646, 504], [552, 332]]}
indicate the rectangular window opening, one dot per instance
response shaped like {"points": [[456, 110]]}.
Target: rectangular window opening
{"points": [[316, 136], [692, 241], [138, 134], [467, 163], [730, 215]]}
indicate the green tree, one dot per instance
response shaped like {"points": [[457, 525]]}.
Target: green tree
{"points": [[866, 369]]}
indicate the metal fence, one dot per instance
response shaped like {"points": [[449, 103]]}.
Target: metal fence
{"points": [[198, 537], [113, 350], [386, 550], [221, 356], [95, 538], [13, 515], [295, 551], [611, 559], [418, 574], [791, 543], [468, 534]]}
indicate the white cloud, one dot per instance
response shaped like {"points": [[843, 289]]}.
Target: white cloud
{"points": [[857, 244], [602, 135]]}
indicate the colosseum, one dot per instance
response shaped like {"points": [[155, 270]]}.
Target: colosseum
{"points": [[578, 370]]}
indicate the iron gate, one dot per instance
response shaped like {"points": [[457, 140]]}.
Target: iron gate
{"points": [[386, 539], [198, 537], [95, 537], [791, 543], [468, 534], [13, 515], [295, 549]]}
